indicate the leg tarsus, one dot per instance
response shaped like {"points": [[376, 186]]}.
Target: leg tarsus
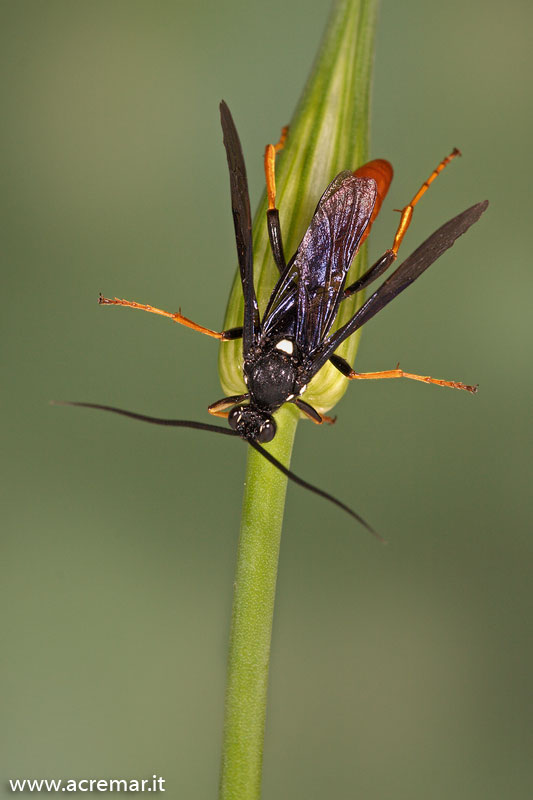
{"points": [[223, 336], [400, 373], [342, 365]]}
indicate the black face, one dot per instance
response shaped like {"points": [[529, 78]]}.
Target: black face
{"points": [[251, 423]]}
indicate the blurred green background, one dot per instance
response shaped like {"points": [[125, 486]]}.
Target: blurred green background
{"points": [[399, 671]]}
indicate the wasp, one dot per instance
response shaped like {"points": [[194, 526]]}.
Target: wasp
{"points": [[286, 347]]}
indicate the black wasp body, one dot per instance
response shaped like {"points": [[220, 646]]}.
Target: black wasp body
{"points": [[302, 308], [284, 350], [292, 341]]}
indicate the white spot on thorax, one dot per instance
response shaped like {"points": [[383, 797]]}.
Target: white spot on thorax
{"points": [[286, 345]]}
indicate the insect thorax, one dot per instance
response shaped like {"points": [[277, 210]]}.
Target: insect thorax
{"points": [[271, 378]]}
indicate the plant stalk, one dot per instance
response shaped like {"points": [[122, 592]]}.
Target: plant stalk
{"points": [[253, 610], [328, 133]]}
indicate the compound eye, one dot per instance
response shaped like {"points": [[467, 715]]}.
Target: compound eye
{"points": [[234, 417], [267, 431]]}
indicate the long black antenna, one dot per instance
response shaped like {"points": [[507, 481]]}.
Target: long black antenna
{"points": [[314, 489], [173, 423], [202, 426]]}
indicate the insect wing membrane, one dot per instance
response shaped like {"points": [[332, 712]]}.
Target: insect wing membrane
{"points": [[305, 299], [326, 253]]}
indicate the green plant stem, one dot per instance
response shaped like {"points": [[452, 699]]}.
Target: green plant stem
{"points": [[329, 132], [253, 610]]}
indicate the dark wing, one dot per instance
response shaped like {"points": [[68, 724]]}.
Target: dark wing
{"points": [[326, 253], [242, 220], [310, 289], [402, 277]]}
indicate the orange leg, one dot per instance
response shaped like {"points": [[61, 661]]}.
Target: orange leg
{"points": [[218, 409], [329, 420], [399, 373], [381, 171], [175, 317], [224, 414], [407, 212], [270, 166]]}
